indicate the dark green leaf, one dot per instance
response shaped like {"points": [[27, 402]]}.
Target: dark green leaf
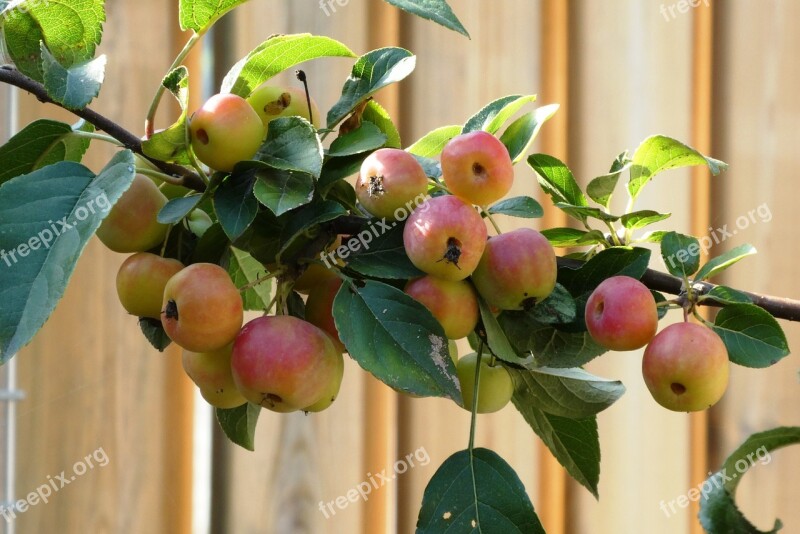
{"points": [[178, 208], [495, 114], [336, 169], [727, 295], [211, 247], [681, 254], [154, 333], [364, 139], [303, 220], [639, 219], [659, 153], [557, 308], [382, 256], [519, 136], [523, 207], [39, 252], [720, 515], [396, 338], [292, 145], [752, 336], [282, 190], [572, 237], [437, 11], [431, 144], [476, 492], [235, 205], [371, 73], [659, 298], [556, 180], [239, 424], [723, 261], [610, 262], [73, 87]]}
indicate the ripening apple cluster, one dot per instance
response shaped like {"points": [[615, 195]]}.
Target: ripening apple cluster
{"points": [[685, 366], [446, 238]]}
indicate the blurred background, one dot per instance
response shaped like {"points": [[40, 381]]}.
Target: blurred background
{"points": [[721, 76]]}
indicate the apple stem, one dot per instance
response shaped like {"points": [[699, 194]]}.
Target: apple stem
{"points": [[254, 283], [473, 424], [301, 75]]}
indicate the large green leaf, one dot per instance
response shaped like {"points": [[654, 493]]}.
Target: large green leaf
{"points": [[239, 424], [681, 254], [73, 87], [523, 207], [722, 262], [371, 73], [380, 252], [557, 180], [275, 55], [519, 136], [42, 239], [246, 270], [492, 116], [572, 237], [70, 29], [199, 15], [572, 393], [283, 190], [476, 491], [235, 205], [659, 153], [395, 338], [610, 262], [292, 144], [366, 138], [431, 144], [436, 10], [41, 143], [752, 336]]}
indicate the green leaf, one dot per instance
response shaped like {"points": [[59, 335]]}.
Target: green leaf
{"points": [[660, 153], [582, 213], [275, 55], [364, 139], [519, 136], [432, 143], [556, 180], [336, 169], [575, 443], [653, 237], [752, 336], [244, 270], [378, 116], [70, 29], [572, 237], [41, 143], [727, 295], [681, 254], [235, 205], [723, 261], [281, 190], [437, 11], [610, 262], [718, 510], [74, 87], [39, 251], [304, 219], [557, 308], [292, 144], [523, 207], [476, 492], [171, 145], [496, 337], [263, 238], [395, 338], [371, 73], [602, 188], [154, 333], [178, 208], [550, 347], [382, 256], [572, 393], [199, 15], [639, 219], [495, 114], [239, 424], [659, 298]]}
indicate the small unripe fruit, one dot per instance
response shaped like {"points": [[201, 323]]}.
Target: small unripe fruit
{"points": [[319, 308], [477, 168], [202, 309], [271, 102], [225, 131], [391, 183], [453, 304], [141, 280], [445, 237], [621, 314], [496, 386], [199, 222], [131, 225], [686, 367], [284, 364], [517, 270], [211, 372]]}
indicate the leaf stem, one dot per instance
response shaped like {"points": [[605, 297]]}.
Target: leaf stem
{"points": [[97, 137], [160, 175], [265, 278], [472, 426], [492, 220]]}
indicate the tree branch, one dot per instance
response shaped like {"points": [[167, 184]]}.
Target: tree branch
{"points": [[189, 178]]}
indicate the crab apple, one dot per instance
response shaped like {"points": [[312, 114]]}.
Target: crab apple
{"points": [[477, 168], [283, 363], [453, 304], [319, 308], [445, 237], [141, 280], [517, 270], [496, 386], [211, 372], [271, 102], [686, 367], [314, 275], [199, 222], [391, 180], [332, 392], [131, 225], [202, 309], [225, 131], [621, 314]]}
